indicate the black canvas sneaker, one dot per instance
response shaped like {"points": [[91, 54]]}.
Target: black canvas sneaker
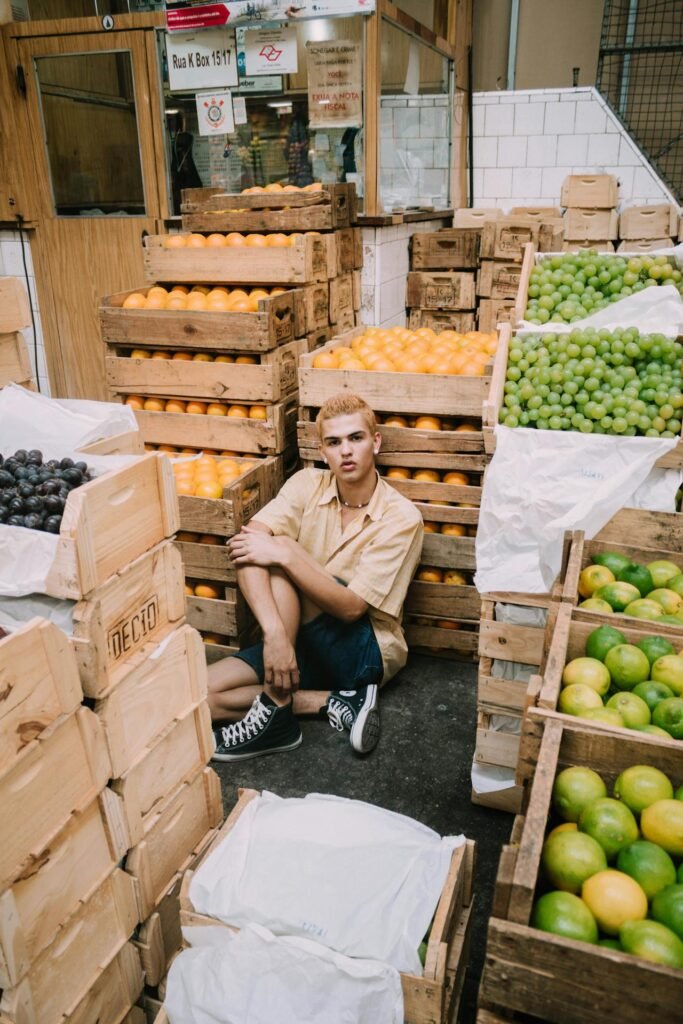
{"points": [[357, 711], [265, 729]]}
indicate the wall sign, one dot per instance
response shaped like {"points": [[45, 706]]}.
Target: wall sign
{"points": [[214, 113], [270, 51], [334, 84], [183, 17], [201, 60]]}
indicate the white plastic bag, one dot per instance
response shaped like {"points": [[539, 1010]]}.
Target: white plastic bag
{"points": [[57, 426], [543, 482], [252, 977], [357, 878]]}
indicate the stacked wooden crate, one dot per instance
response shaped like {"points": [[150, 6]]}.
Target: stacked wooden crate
{"points": [[440, 290], [15, 314], [503, 243], [590, 218], [432, 451], [143, 678], [644, 228]]}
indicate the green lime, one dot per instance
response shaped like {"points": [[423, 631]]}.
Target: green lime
{"points": [[627, 665], [662, 823], [652, 692], [638, 576], [668, 715], [602, 639], [671, 620], [667, 908], [652, 730], [679, 874], [652, 941], [641, 785], [663, 571], [569, 858], [422, 952], [562, 913], [614, 560], [669, 600], [596, 604], [678, 795], [650, 865], [574, 789], [676, 584], [654, 647], [587, 672], [592, 578], [610, 823], [611, 944], [618, 595], [632, 709], [644, 608], [669, 669], [608, 716]]}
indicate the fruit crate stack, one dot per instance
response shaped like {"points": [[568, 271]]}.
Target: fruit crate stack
{"points": [[15, 314], [590, 218], [440, 290], [647, 228], [588, 906], [432, 452]]}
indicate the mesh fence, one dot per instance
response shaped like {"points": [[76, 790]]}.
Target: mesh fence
{"points": [[640, 74]]}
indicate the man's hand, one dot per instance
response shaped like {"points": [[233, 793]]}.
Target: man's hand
{"points": [[279, 662], [254, 547]]}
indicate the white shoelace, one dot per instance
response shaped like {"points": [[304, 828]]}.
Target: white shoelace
{"points": [[256, 717], [339, 714]]}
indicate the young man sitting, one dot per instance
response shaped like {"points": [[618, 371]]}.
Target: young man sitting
{"points": [[325, 568]]}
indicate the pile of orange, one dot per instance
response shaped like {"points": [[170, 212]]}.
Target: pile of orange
{"points": [[170, 449], [235, 240], [206, 477], [401, 350], [199, 538], [182, 355], [430, 574], [200, 298], [209, 590], [194, 408], [426, 423], [275, 186], [431, 476]]}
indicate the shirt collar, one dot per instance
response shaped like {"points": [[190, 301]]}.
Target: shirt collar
{"points": [[374, 510]]}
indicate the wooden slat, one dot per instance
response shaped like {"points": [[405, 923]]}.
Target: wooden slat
{"points": [[15, 365]]}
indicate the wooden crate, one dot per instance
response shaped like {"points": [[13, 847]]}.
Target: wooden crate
{"points": [[15, 365], [165, 681], [241, 500], [558, 980], [349, 249], [494, 402], [38, 683], [447, 249], [341, 301], [442, 601], [596, 246], [179, 826], [541, 213], [128, 442], [406, 441], [269, 436], [109, 522], [636, 248], [391, 392], [159, 938], [427, 635], [454, 290], [227, 616], [141, 603], [587, 225], [62, 974], [505, 238], [439, 502], [271, 379], [57, 880], [212, 209], [475, 217], [15, 311], [431, 998], [296, 264], [57, 774], [649, 222], [498, 280], [590, 191], [492, 312], [182, 749], [441, 320], [203, 330], [312, 308], [207, 561], [114, 992]]}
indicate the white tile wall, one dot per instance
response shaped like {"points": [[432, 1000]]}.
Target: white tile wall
{"points": [[415, 168], [12, 265], [527, 142]]}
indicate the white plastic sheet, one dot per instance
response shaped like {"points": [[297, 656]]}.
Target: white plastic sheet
{"points": [[15, 612], [356, 878], [253, 977]]}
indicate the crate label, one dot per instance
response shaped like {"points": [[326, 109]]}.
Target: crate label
{"points": [[443, 294], [288, 375], [251, 506], [130, 632]]}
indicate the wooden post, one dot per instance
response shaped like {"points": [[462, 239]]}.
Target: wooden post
{"points": [[373, 85]]}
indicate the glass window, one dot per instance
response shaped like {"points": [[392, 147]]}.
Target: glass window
{"points": [[279, 142], [414, 123], [91, 133], [421, 10]]}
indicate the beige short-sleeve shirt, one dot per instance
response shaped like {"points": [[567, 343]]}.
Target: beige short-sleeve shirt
{"points": [[375, 556]]}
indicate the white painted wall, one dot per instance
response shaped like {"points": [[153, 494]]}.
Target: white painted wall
{"points": [[11, 265], [526, 143]]}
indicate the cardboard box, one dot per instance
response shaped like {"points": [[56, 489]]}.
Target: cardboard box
{"points": [[586, 225], [649, 222]]}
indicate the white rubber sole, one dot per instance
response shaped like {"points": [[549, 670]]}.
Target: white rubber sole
{"points": [[365, 731], [257, 753]]}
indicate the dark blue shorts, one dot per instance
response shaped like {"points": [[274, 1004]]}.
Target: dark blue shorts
{"points": [[331, 654]]}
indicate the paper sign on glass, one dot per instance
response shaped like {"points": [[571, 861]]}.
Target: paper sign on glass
{"points": [[335, 93], [271, 51], [201, 60], [214, 113]]}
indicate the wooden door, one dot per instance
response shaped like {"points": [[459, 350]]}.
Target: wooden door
{"points": [[94, 119]]}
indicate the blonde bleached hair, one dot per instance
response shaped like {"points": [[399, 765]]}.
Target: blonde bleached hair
{"points": [[345, 404]]}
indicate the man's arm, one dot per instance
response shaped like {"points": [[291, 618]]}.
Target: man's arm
{"points": [[253, 548]]}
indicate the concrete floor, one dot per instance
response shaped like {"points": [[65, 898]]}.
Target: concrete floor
{"points": [[420, 768]]}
